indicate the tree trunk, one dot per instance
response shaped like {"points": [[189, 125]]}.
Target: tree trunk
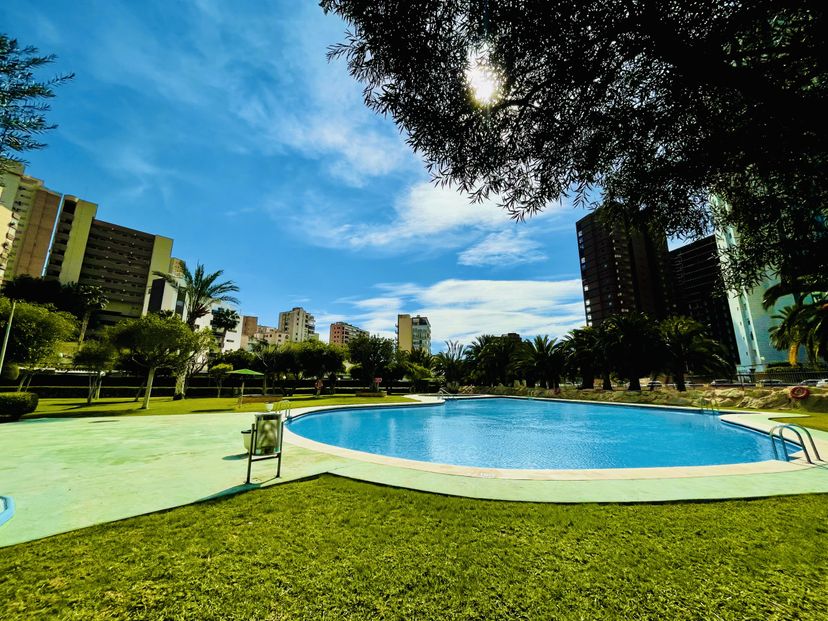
{"points": [[218, 395], [83, 326], [607, 385], [148, 391], [635, 384], [587, 381], [91, 390], [99, 383], [180, 385], [679, 377]]}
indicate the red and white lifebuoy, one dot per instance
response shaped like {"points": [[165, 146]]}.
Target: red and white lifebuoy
{"points": [[800, 392]]}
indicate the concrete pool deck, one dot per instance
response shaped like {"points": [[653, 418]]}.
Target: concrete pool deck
{"points": [[68, 473]]}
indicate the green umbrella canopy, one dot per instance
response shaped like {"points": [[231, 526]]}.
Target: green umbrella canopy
{"points": [[245, 372]]}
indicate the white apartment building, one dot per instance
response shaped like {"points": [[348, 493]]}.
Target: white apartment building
{"points": [[298, 324]]}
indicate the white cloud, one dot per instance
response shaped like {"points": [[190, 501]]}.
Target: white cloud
{"points": [[424, 217], [463, 309], [507, 247]]}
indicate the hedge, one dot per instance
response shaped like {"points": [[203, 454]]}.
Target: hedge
{"points": [[13, 405]]}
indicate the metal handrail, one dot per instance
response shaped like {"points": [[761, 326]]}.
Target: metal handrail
{"points": [[779, 430]]}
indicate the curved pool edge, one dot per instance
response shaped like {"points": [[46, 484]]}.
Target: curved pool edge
{"points": [[768, 467]]}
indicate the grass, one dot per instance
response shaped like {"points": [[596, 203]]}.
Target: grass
{"points": [[165, 405], [814, 420], [332, 548]]}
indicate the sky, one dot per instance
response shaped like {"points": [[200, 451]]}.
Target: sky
{"points": [[223, 126]]}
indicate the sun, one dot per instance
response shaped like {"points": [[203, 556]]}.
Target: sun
{"points": [[482, 78]]}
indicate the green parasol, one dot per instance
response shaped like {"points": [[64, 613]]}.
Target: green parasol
{"points": [[243, 373]]}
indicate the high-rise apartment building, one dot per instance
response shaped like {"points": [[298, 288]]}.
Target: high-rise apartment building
{"points": [[751, 321], [700, 292], [623, 270], [119, 260], [342, 333], [413, 333], [28, 212], [299, 325]]}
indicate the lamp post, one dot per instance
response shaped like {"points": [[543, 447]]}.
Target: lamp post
{"points": [[6, 337]]}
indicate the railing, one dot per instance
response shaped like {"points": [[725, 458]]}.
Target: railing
{"points": [[779, 430]]}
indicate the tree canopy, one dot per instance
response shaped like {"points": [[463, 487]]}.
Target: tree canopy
{"points": [[646, 108], [203, 290], [23, 99]]}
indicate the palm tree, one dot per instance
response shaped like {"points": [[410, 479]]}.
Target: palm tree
{"points": [[224, 319], [541, 359], [686, 347], [580, 352], [490, 358], [803, 325], [202, 289], [632, 344], [451, 364]]}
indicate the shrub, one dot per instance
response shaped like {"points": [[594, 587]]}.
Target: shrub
{"points": [[10, 372], [13, 405]]}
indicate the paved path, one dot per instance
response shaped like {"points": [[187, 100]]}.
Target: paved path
{"points": [[70, 473]]}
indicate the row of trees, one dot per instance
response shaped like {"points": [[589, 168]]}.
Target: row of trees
{"points": [[628, 347]]}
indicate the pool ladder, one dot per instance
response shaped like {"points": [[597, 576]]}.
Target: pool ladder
{"points": [[708, 407], [779, 430]]}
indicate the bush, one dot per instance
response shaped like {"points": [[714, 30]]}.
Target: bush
{"points": [[10, 372], [13, 405]]}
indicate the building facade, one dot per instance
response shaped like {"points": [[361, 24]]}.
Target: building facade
{"points": [[298, 324], [751, 321], [413, 333], [623, 270], [341, 333], [119, 260], [28, 212], [700, 292]]}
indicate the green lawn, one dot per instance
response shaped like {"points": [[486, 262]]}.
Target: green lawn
{"points": [[814, 420], [165, 405], [337, 549]]}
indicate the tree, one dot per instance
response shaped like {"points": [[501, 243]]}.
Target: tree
{"points": [[633, 346], [686, 347], [202, 289], [36, 332], [373, 354], [807, 325], [95, 357], [80, 300], [203, 345], [541, 360], [275, 361], [647, 108], [490, 358], [23, 99], [218, 372], [581, 354], [319, 360], [224, 320], [154, 342], [84, 300], [451, 364]]}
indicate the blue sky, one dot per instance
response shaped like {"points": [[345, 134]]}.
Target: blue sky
{"points": [[223, 126]]}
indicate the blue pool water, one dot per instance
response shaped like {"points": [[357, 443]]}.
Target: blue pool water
{"points": [[518, 433]]}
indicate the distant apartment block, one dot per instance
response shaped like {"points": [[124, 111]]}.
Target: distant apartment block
{"points": [[28, 211], [298, 324], [622, 270], [119, 260], [413, 333], [700, 292], [341, 333]]}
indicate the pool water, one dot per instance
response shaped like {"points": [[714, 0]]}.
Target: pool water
{"points": [[520, 433]]}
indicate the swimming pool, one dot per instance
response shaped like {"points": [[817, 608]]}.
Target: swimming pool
{"points": [[533, 434]]}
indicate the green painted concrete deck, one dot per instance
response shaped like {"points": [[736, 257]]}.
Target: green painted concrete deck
{"points": [[66, 474]]}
